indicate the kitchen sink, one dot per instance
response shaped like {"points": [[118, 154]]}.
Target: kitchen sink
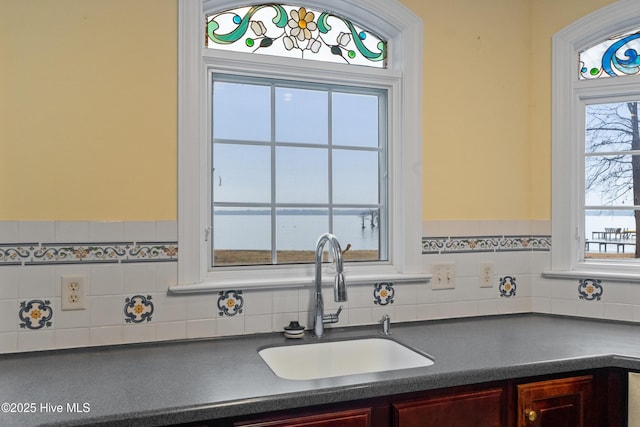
{"points": [[339, 358]]}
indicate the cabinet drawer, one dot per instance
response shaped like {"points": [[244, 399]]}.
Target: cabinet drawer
{"points": [[350, 418], [471, 409]]}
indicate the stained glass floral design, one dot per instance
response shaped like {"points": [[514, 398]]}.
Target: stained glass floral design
{"points": [[294, 31], [617, 56]]}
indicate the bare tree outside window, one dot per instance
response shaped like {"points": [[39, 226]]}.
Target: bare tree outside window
{"points": [[612, 180]]}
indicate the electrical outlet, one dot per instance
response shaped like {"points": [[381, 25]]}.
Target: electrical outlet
{"points": [[443, 276], [73, 295], [486, 275]]}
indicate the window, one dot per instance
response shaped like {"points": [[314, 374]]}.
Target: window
{"points": [[353, 154], [312, 161], [596, 146]]}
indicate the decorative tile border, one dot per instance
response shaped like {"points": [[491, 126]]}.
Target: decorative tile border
{"points": [[81, 253], [441, 245]]}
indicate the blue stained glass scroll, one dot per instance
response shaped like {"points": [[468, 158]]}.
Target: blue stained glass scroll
{"points": [[617, 56]]}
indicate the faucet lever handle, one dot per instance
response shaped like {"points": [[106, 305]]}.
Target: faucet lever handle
{"points": [[332, 318]]}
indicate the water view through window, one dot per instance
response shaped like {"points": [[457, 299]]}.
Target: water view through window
{"points": [[612, 180], [292, 161]]}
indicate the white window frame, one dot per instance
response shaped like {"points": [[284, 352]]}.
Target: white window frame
{"points": [[402, 79], [569, 98]]}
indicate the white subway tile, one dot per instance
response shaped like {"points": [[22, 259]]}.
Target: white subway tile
{"points": [[592, 309], [227, 326], [37, 281], [167, 231], [71, 318], [360, 316], [285, 300], [140, 231], [8, 342], [9, 282], [72, 231], [9, 319], [166, 275], [139, 332], [9, 232], [106, 231], [36, 231], [106, 310], [257, 324], [106, 335], [200, 306], [168, 308], [166, 331], [203, 328], [71, 338], [258, 302], [36, 340], [138, 278], [105, 279], [618, 312]]}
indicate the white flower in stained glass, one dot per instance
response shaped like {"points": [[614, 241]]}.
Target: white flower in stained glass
{"points": [[258, 28], [314, 45], [302, 24], [304, 33], [343, 39], [290, 43]]}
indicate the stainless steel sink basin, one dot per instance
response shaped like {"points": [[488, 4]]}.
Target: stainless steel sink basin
{"points": [[339, 358]]}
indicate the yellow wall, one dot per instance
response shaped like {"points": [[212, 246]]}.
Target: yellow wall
{"points": [[549, 17], [88, 108]]}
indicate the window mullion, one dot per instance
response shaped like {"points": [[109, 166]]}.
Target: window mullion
{"points": [[274, 254], [330, 154]]}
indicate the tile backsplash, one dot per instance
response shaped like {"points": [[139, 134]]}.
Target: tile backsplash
{"points": [[129, 266]]}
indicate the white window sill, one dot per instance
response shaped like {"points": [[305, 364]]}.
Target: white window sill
{"points": [[592, 274], [294, 282]]}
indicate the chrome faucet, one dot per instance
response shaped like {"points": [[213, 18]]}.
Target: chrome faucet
{"points": [[339, 285]]}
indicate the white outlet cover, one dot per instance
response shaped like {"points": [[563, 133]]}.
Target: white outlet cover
{"points": [[73, 295]]}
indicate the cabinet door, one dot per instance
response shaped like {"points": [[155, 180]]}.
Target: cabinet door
{"points": [[556, 403], [350, 418], [469, 409]]}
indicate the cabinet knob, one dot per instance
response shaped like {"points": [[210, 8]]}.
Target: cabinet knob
{"points": [[530, 414]]}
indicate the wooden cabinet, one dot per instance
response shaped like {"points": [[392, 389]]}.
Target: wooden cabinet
{"points": [[470, 409], [565, 402], [584, 399], [350, 418]]}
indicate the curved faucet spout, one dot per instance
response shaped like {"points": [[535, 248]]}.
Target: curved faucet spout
{"points": [[339, 286]]}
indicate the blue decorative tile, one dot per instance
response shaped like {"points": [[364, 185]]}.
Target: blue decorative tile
{"points": [[230, 303], [383, 293], [507, 286], [35, 314], [590, 289], [138, 308]]}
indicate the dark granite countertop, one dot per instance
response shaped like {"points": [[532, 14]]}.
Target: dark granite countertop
{"points": [[173, 382]]}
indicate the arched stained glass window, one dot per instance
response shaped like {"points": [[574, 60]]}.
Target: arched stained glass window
{"points": [[617, 56], [294, 31]]}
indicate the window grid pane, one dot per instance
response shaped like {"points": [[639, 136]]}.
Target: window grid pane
{"points": [[611, 180], [311, 185]]}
